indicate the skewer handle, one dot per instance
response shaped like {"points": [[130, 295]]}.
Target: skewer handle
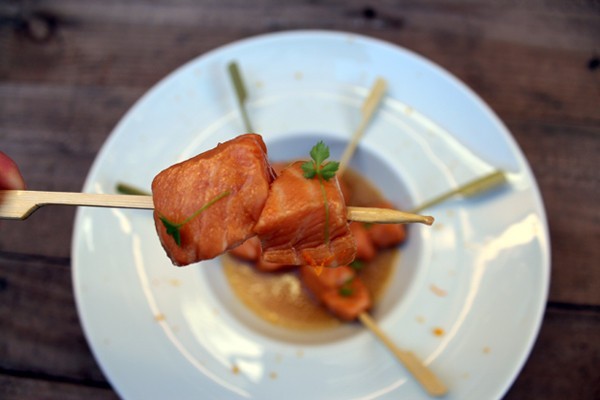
{"points": [[240, 93], [19, 204], [430, 382], [470, 189]]}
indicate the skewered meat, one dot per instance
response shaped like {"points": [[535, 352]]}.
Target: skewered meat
{"points": [[365, 249], [251, 250], [304, 221], [235, 197]]}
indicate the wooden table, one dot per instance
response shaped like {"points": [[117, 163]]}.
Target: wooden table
{"points": [[69, 70]]}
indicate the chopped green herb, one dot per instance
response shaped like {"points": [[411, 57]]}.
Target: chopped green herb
{"points": [[174, 228], [346, 290], [357, 265]]}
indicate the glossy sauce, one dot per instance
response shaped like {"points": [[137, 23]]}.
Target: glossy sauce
{"points": [[280, 298]]}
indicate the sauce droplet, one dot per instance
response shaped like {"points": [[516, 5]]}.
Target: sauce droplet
{"points": [[438, 331]]}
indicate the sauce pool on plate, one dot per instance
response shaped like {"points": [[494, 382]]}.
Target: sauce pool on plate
{"points": [[281, 299]]}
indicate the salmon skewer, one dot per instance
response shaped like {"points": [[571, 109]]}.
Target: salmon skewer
{"points": [[211, 203], [215, 201]]}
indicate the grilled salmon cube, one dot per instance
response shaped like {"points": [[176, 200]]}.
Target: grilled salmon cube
{"points": [[237, 170], [295, 228], [386, 235], [365, 249], [251, 250], [338, 289]]}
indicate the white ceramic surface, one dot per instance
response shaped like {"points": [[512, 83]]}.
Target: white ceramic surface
{"points": [[479, 276]]}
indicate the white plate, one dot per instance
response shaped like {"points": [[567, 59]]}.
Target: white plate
{"points": [[480, 276]]}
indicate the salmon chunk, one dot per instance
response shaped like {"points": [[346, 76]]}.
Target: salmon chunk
{"points": [[296, 229], [338, 289], [212, 201], [386, 235], [251, 250], [365, 249]]}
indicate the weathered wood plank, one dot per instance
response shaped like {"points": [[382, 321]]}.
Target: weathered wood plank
{"points": [[20, 388], [40, 331], [47, 233], [67, 119], [55, 132], [545, 75], [565, 162], [564, 362]]}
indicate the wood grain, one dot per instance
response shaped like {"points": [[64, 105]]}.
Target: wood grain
{"points": [[536, 63], [19, 387], [41, 334]]}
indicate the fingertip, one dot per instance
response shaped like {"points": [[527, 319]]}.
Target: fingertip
{"points": [[10, 176]]}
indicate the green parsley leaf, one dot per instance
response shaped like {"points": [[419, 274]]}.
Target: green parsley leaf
{"points": [[328, 170], [346, 290], [357, 265], [319, 153], [174, 228], [309, 169]]}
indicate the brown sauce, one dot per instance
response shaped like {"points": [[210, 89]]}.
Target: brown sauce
{"points": [[280, 298]]}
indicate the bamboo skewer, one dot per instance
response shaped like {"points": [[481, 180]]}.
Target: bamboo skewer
{"points": [[368, 110], [422, 374], [430, 382], [241, 93], [470, 189], [20, 204]]}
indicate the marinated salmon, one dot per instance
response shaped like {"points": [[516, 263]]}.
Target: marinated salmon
{"points": [[304, 222], [386, 235], [338, 289], [365, 249], [212, 201], [251, 250]]}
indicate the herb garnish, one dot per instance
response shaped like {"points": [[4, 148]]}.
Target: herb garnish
{"points": [[346, 290], [173, 228], [315, 168], [319, 153], [357, 265]]}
